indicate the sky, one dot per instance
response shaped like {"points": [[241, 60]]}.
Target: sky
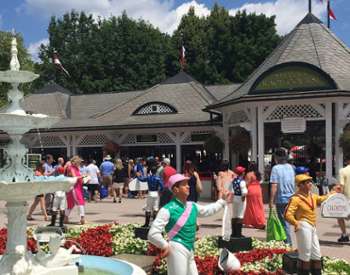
{"points": [[31, 17]]}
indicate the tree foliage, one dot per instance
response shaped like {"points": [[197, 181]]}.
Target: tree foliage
{"points": [[5, 57], [104, 55], [223, 48], [121, 54]]}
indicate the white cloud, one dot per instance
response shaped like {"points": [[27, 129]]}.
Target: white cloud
{"points": [[33, 48], [161, 13], [164, 15], [288, 12]]}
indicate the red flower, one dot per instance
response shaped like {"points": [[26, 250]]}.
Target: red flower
{"points": [[152, 250], [94, 241], [31, 243]]}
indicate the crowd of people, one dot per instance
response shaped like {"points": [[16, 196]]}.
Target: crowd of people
{"points": [[111, 178], [170, 194]]}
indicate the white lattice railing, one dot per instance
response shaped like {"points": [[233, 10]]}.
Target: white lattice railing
{"points": [[48, 141], [296, 110], [98, 139]]}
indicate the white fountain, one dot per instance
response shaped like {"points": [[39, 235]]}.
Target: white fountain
{"points": [[17, 181]]}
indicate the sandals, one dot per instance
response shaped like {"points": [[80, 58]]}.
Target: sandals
{"points": [[30, 218]]}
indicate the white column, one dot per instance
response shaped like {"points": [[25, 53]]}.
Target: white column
{"points": [[73, 148], [226, 137], [329, 162], [253, 134], [16, 226], [261, 143], [338, 131], [178, 153], [16, 246]]}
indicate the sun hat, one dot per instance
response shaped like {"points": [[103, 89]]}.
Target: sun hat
{"points": [[108, 157], [175, 179], [299, 179], [166, 161], [239, 170]]}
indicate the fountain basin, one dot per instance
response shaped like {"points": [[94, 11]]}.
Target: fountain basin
{"points": [[24, 191], [17, 76], [109, 266], [20, 123]]}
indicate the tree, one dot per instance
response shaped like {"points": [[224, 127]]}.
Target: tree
{"points": [[254, 39], [223, 48], [5, 57], [121, 54], [105, 55]]}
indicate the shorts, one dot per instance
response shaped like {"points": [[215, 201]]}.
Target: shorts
{"points": [[118, 184], [107, 180], [92, 188]]}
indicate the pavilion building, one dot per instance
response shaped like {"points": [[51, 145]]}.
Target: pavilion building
{"points": [[166, 120], [300, 95]]}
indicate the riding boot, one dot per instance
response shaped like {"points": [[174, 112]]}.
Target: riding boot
{"points": [[303, 268], [316, 267], [61, 220], [154, 215], [53, 219], [147, 219], [239, 230], [233, 228]]}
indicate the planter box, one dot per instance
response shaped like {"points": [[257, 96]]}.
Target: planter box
{"points": [[289, 262], [236, 244], [141, 232]]}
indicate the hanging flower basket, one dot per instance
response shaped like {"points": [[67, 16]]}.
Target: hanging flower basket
{"points": [[111, 148], [214, 144]]}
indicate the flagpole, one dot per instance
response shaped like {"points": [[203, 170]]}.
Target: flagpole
{"points": [[310, 9], [328, 17]]}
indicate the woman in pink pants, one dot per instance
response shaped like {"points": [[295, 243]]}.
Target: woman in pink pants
{"points": [[75, 196]]}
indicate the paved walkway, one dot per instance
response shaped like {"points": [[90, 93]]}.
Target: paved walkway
{"points": [[130, 211]]}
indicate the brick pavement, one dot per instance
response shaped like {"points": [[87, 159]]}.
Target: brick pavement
{"points": [[130, 211]]}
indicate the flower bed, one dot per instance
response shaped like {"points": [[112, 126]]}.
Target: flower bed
{"points": [[108, 240], [31, 243]]}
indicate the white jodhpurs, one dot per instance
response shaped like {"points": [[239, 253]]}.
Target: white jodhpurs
{"points": [[307, 241], [226, 222], [238, 207], [180, 260]]}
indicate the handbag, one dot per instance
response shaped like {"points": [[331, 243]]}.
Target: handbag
{"points": [[274, 228]]}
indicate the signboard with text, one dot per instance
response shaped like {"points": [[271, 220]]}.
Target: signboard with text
{"points": [[293, 125], [336, 206]]}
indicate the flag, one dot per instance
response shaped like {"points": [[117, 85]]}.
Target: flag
{"points": [[182, 56], [331, 14], [58, 63]]}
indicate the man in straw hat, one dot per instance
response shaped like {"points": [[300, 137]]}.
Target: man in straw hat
{"points": [[301, 213], [106, 170], [179, 219]]}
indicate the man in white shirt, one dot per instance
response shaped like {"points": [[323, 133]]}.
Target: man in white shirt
{"points": [[344, 180], [94, 173]]}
